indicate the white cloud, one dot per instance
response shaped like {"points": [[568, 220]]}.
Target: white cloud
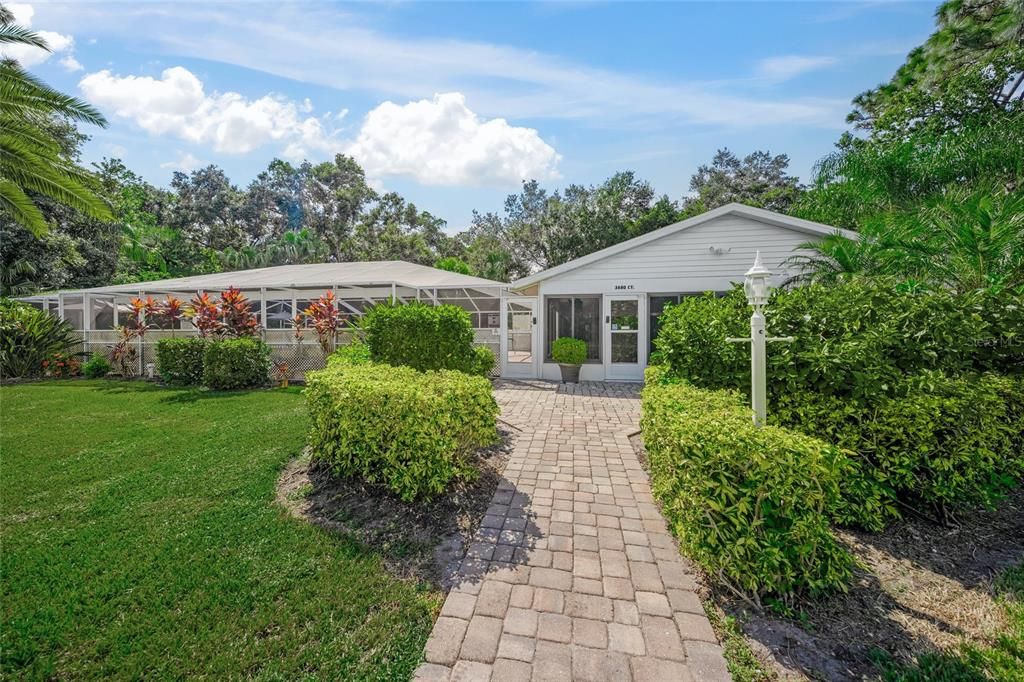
{"points": [[177, 104], [71, 64], [28, 55], [499, 80], [778, 69], [185, 162], [442, 142]]}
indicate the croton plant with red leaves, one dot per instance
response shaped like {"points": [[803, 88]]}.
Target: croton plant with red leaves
{"points": [[326, 320], [230, 316]]}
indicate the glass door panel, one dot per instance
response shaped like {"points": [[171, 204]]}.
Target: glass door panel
{"points": [[623, 335], [519, 345], [624, 332]]}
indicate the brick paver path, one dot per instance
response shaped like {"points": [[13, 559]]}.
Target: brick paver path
{"points": [[573, 574]]}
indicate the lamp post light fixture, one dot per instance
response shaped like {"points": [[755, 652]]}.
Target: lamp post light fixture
{"points": [[755, 284], [757, 289]]}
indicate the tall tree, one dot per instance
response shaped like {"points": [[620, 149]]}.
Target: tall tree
{"points": [[972, 64], [758, 179], [951, 118], [208, 210], [32, 162]]}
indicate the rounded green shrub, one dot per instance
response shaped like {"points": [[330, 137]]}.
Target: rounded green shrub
{"points": [[407, 430], [749, 504], [180, 361], [29, 337], [96, 367], [568, 351], [236, 363]]}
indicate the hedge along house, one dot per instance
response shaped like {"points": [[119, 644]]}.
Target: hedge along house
{"points": [[277, 294], [611, 299]]}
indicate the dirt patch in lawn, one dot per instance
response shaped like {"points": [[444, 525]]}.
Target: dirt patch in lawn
{"points": [[922, 587], [420, 540]]}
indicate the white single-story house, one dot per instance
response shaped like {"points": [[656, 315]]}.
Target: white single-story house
{"points": [[612, 298]]}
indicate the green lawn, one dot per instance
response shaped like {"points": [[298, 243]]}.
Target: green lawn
{"points": [[140, 538]]}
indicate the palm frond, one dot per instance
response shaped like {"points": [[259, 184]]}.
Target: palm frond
{"points": [[20, 91], [11, 34], [21, 209]]}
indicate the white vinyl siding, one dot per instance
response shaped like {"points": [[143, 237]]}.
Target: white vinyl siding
{"points": [[706, 257]]}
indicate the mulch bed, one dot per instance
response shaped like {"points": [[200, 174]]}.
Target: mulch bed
{"points": [[418, 540], [921, 587]]}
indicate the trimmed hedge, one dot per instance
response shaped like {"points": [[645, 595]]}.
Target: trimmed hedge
{"points": [[236, 363], [874, 370], [749, 504], [180, 361], [407, 430], [421, 336], [856, 339], [941, 443]]}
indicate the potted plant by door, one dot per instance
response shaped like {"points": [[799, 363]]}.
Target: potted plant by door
{"points": [[569, 353]]}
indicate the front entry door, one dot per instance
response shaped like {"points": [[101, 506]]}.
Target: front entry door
{"points": [[519, 338], [624, 355]]}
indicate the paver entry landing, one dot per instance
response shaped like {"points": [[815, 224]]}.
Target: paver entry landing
{"points": [[573, 574]]}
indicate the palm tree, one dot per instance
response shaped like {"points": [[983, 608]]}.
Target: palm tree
{"points": [[31, 159], [972, 240], [964, 240], [837, 257]]}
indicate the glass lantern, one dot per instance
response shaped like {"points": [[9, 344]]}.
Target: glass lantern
{"points": [[756, 285]]}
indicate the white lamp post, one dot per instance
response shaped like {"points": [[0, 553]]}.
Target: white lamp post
{"points": [[757, 288]]}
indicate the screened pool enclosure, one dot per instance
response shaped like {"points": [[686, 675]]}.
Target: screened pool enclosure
{"points": [[278, 294]]}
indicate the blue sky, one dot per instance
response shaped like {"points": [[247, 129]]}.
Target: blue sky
{"points": [[452, 104]]}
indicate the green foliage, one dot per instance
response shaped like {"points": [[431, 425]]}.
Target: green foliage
{"points": [[568, 351], [876, 369], [236, 363], [749, 504], [963, 239], [179, 362], [939, 443], [759, 179], [420, 336], [31, 158], [483, 361], [409, 431], [541, 229], [29, 337], [854, 340], [96, 367], [453, 264], [354, 353]]}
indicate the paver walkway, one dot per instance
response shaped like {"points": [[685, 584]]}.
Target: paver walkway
{"points": [[573, 574]]}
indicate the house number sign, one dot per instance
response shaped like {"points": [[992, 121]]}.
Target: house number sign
{"points": [[623, 287]]}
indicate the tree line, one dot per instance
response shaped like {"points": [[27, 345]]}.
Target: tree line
{"points": [[930, 176]]}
